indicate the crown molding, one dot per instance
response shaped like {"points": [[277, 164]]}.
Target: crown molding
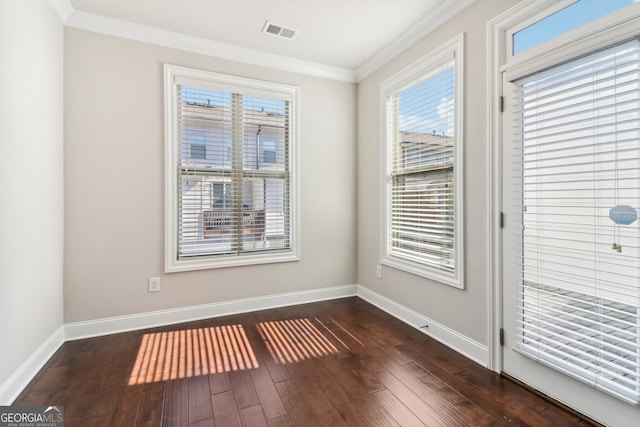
{"points": [[151, 35], [156, 36], [63, 8], [428, 24]]}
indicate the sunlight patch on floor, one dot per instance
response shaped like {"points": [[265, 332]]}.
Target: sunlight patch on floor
{"points": [[291, 341], [186, 353]]}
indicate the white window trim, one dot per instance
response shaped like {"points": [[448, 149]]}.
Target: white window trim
{"points": [[247, 86], [610, 29], [402, 79]]}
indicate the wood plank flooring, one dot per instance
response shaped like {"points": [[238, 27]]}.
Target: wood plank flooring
{"points": [[333, 363]]}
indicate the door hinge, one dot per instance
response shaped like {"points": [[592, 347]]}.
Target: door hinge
{"points": [[501, 336], [501, 219], [501, 104]]}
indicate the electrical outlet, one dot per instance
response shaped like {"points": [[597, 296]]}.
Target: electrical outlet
{"points": [[154, 284], [379, 271]]}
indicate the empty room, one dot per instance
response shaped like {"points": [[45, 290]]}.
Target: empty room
{"points": [[292, 213]]}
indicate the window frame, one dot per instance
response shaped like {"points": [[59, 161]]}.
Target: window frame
{"points": [[399, 81], [609, 29], [216, 81]]}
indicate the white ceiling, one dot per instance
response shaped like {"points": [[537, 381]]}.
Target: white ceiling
{"points": [[349, 36]]}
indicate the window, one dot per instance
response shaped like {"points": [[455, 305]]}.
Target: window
{"points": [[572, 15], [269, 152], [198, 145], [422, 230], [579, 173], [221, 195], [226, 204]]}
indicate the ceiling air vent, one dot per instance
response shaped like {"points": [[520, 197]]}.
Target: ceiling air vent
{"points": [[278, 30]]}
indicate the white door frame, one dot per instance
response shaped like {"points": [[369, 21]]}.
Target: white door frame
{"points": [[616, 27], [497, 40]]}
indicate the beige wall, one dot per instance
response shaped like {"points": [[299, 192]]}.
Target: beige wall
{"points": [[114, 140], [114, 184], [31, 181], [464, 311]]}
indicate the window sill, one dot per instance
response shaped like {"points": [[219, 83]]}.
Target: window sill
{"points": [[206, 263], [454, 280]]}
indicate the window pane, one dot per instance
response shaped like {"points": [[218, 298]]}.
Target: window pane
{"points": [[579, 260], [565, 20], [427, 108], [421, 136], [265, 214], [206, 128], [233, 173], [422, 218], [207, 222], [265, 124]]}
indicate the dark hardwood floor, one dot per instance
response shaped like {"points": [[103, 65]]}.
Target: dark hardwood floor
{"points": [[333, 363]]}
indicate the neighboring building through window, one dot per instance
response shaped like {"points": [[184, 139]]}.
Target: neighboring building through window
{"points": [[231, 198], [422, 230]]}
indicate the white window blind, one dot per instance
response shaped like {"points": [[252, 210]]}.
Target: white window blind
{"points": [[232, 165], [578, 162], [423, 177]]}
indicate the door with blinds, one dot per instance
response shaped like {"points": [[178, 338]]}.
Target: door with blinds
{"points": [[571, 243]]}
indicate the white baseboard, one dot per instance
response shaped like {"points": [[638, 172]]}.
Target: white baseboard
{"points": [[11, 388], [474, 350], [111, 325]]}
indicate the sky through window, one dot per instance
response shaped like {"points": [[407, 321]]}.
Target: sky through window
{"points": [[576, 15]]}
